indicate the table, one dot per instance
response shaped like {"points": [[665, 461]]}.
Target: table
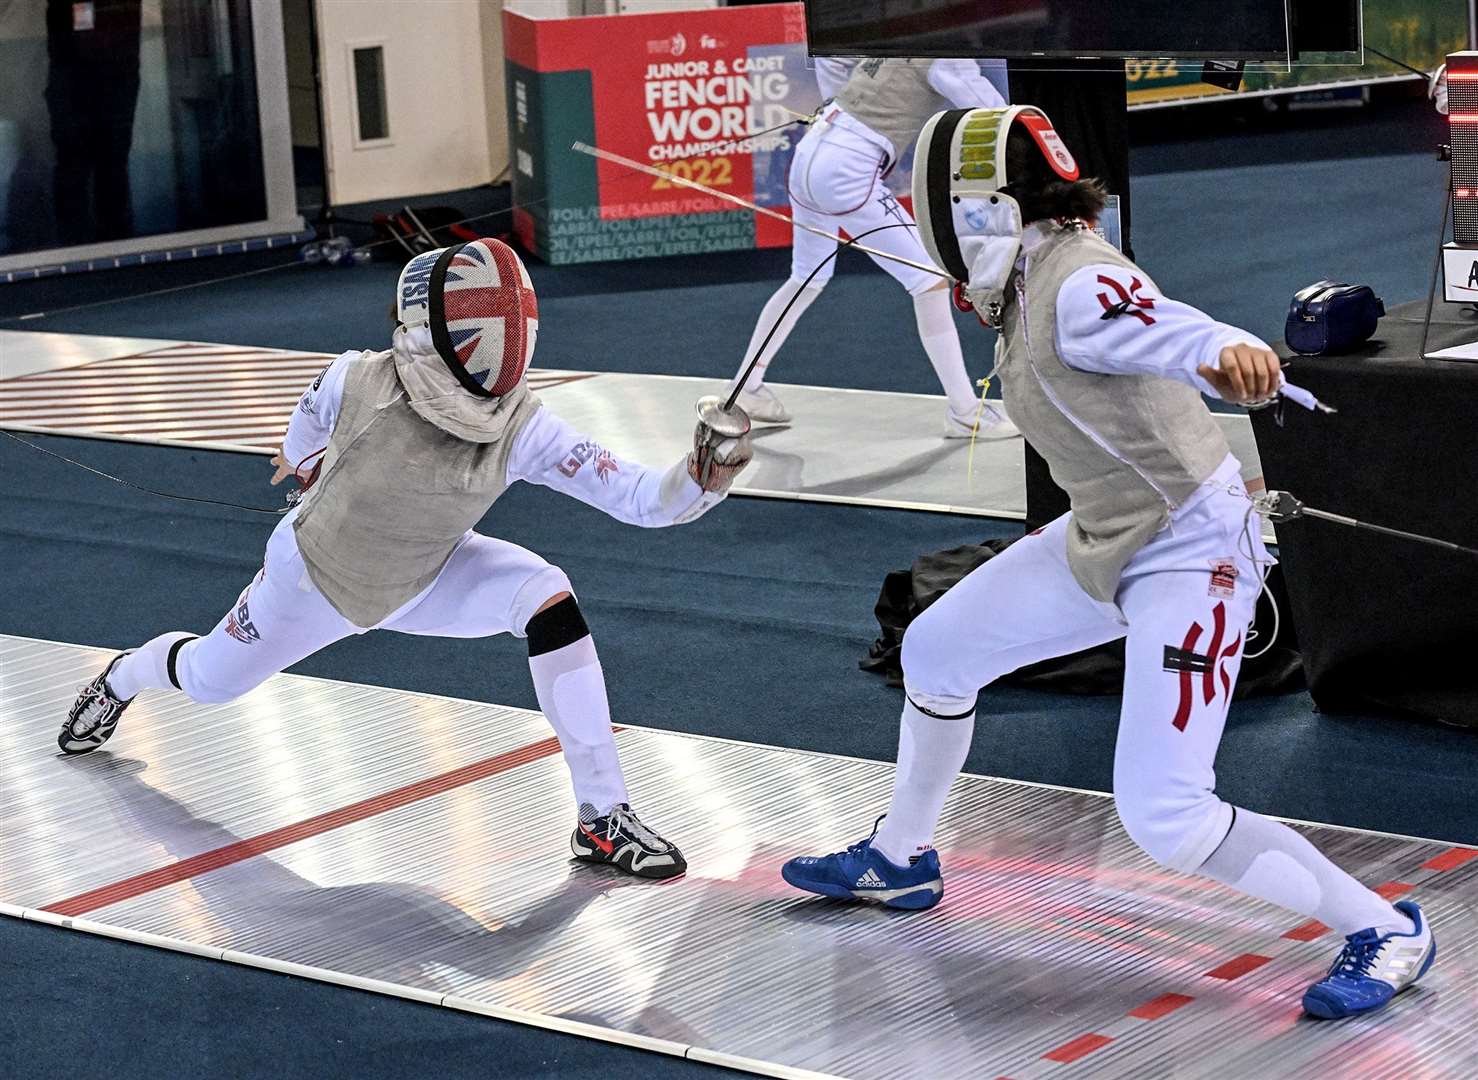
{"points": [[1384, 623]]}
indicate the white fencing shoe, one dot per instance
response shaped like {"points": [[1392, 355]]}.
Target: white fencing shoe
{"points": [[618, 838], [93, 716], [993, 425], [763, 406]]}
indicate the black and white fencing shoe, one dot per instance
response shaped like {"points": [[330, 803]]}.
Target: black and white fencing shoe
{"points": [[619, 839], [93, 716]]}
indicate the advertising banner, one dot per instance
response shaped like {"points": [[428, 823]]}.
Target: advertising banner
{"points": [[685, 92]]}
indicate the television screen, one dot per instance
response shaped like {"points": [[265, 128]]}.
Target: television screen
{"points": [[1325, 26], [1192, 29]]}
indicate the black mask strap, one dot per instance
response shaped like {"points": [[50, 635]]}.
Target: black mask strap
{"points": [[941, 219], [439, 335]]}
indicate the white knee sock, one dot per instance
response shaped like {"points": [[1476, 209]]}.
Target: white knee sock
{"points": [[931, 752], [147, 668], [934, 312], [773, 307], [572, 695], [1270, 861]]}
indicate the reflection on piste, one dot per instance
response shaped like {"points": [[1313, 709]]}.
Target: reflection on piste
{"points": [[772, 467], [395, 931]]}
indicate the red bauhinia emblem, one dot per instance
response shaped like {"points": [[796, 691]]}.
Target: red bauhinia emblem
{"points": [[1188, 664], [1129, 302]]}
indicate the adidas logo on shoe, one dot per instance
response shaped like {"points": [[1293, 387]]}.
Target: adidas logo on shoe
{"points": [[870, 880]]}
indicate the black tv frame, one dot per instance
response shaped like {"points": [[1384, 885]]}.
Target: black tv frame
{"points": [[911, 47]]}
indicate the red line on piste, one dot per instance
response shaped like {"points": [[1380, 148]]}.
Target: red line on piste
{"points": [[1392, 889], [1082, 1046], [241, 850], [1163, 1005], [1238, 966], [1450, 859]]}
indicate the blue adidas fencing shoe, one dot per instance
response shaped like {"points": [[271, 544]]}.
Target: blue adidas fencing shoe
{"points": [[1373, 968], [860, 873]]}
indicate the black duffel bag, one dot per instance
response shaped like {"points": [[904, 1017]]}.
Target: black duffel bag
{"points": [[1273, 666]]}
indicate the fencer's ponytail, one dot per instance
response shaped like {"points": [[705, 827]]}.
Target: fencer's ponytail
{"points": [[1059, 199]]}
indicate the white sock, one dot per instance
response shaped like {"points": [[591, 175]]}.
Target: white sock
{"points": [[1268, 860], [147, 668], [934, 312], [773, 307], [571, 689], [931, 752]]}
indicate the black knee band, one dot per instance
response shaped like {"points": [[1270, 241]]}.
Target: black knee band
{"points": [[941, 716], [174, 651], [556, 626]]}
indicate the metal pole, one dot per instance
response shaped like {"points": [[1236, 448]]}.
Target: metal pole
{"points": [[1437, 267], [325, 209], [1473, 24]]}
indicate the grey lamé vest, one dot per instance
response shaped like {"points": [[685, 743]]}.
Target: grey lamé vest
{"points": [[395, 494], [894, 98], [1127, 449]]}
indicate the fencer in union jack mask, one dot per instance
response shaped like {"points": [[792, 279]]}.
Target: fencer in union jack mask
{"points": [[476, 306], [403, 452], [1104, 375]]}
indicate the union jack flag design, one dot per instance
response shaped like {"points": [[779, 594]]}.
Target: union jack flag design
{"points": [[492, 315]]}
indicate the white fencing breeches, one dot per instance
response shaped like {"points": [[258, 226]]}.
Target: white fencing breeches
{"points": [[1185, 622], [836, 185], [487, 587], [1184, 606]]}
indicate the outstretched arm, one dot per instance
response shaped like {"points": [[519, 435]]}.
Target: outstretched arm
{"points": [[1111, 323], [312, 422], [832, 73], [550, 452], [963, 86]]}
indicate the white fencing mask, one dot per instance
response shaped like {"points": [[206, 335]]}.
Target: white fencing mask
{"points": [[969, 224], [478, 303]]}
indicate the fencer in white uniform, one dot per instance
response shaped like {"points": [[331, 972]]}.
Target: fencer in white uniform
{"points": [[1162, 548], [836, 184], [405, 450], [832, 73]]}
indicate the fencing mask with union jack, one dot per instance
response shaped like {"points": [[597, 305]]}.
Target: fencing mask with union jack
{"points": [[478, 303]]}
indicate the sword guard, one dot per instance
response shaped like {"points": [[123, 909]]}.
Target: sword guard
{"points": [[1278, 506], [721, 423], [717, 424]]}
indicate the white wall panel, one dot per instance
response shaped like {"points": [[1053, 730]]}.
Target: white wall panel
{"points": [[435, 96]]}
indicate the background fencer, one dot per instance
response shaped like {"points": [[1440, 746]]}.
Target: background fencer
{"points": [[407, 449], [1103, 373], [836, 184]]}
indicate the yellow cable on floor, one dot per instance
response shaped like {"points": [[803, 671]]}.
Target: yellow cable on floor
{"points": [[984, 385]]}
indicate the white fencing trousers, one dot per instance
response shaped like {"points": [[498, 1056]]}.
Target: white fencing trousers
{"points": [[487, 587], [1185, 621], [1184, 615], [836, 185]]}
